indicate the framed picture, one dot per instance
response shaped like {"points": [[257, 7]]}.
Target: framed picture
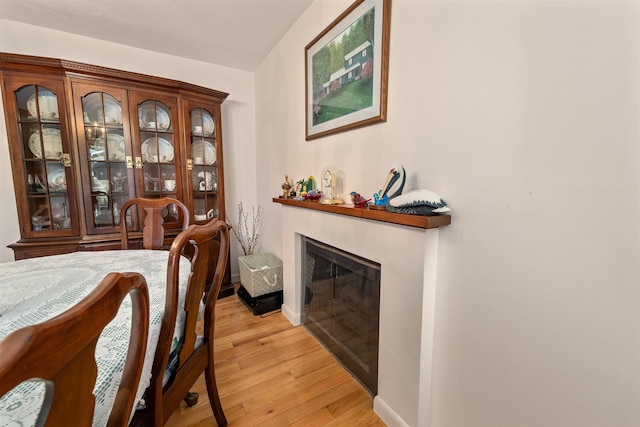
{"points": [[347, 69]]}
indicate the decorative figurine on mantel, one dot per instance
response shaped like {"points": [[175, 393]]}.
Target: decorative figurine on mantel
{"points": [[309, 185], [286, 187], [418, 202], [392, 187], [330, 187], [314, 195], [359, 201], [299, 190]]}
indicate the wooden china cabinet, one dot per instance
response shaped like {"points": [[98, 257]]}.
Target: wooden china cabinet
{"points": [[85, 139]]}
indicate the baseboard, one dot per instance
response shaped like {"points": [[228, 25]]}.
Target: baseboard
{"points": [[235, 278], [290, 315], [386, 414]]}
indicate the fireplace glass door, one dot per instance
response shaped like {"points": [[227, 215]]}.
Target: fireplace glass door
{"points": [[342, 306]]}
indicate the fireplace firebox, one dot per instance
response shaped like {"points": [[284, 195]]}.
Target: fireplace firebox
{"points": [[342, 307]]}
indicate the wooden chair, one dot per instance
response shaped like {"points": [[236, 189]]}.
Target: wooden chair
{"points": [[61, 352], [156, 212], [204, 243]]}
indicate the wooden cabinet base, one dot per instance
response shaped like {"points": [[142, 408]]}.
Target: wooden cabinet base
{"points": [[35, 250]]}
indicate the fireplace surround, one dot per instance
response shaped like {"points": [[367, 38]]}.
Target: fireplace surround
{"points": [[408, 256]]}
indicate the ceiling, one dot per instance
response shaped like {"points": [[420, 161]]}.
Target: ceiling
{"points": [[233, 33]]}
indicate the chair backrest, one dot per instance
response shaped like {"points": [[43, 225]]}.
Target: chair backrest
{"points": [[61, 352], [156, 212], [207, 247]]}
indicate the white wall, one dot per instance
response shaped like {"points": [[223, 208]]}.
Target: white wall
{"points": [[237, 110], [525, 116]]}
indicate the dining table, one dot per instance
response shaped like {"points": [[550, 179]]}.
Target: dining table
{"points": [[37, 289]]}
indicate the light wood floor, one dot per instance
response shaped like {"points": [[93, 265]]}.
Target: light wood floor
{"points": [[270, 373]]}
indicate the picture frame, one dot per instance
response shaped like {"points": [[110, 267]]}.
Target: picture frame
{"points": [[347, 71]]}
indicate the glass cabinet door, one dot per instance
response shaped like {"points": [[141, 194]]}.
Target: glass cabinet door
{"points": [[157, 145], [43, 176], [205, 174], [101, 117]]}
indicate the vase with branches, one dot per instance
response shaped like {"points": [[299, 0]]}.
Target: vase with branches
{"points": [[247, 232]]}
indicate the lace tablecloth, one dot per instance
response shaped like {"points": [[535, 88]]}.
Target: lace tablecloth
{"points": [[37, 289]]}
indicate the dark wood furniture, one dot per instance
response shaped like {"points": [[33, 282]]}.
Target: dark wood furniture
{"points": [[61, 352], [195, 356], [85, 139], [155, 213]]}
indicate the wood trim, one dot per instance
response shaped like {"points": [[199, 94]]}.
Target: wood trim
{"points": [[419, 221], [63, 65]]}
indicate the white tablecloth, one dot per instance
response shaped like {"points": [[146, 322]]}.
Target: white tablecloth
{"points": [[37, 289]]}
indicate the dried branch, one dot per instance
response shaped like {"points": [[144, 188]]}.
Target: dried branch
{"points": [[247, 237]]}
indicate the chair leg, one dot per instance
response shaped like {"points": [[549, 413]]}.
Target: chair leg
{"points": [[153, 414], [212, 391], [191, 399]]}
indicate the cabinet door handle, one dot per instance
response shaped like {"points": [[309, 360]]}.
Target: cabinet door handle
{"points": [[189, 164], [129, 162], [65, 159], [138, 162]]}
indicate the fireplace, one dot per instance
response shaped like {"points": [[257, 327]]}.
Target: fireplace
{"points": [[342, 307], [408, 258]]}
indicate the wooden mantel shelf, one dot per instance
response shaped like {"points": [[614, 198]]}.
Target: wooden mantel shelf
{"points": [[419, 221]]}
